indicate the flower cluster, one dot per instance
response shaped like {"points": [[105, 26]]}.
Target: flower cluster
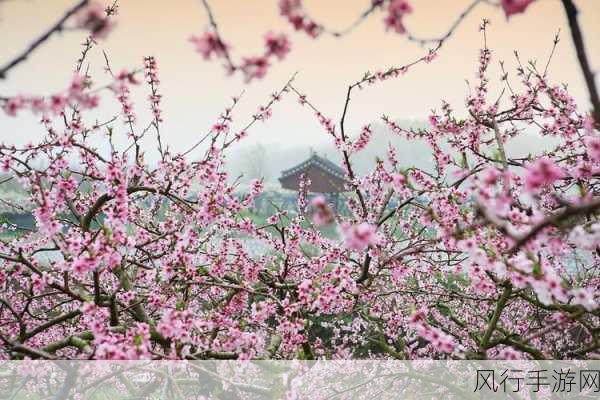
{"points": [[322, 214], [512, 7], [439, 340], [151, 73], [252, 67], [396, 11], [96, 19], [359, 237], [294, 12], [209, 44], [54, 104], [542, 173]]}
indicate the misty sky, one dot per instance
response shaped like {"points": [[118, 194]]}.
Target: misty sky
{"points": [[196, 91]]}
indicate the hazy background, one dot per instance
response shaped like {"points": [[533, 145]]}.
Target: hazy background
{"points": [[195, 91]]}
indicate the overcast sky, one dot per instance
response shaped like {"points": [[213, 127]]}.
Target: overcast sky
{"points": [[196, 91]]}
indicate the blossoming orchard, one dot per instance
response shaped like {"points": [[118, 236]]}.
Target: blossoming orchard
{"points": [[485, 255]]}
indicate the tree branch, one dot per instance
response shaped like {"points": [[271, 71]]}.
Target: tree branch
{"points": [[588, 75], [57, 27]]}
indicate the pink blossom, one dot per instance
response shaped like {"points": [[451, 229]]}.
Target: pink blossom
{"points": [[38, 105], [84, 264], [592, 144], [319, 201], [293, 10], [277, 45], [57, 103], [399, 181], [5, 164], [255, 67], [358, 237], [396, 11], [95, 19], [13, 105], [585, 298], [511, 7], [363, 139], [491, 176], [77, 85], [208, 44], [543, 172], [130, 77], [430, 57], [322, 214], [220, 127], [508, 353], [439, 340], [588, 123]]}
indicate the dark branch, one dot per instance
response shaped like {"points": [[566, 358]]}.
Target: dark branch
{"points": [[588, 75], [57, 27]]}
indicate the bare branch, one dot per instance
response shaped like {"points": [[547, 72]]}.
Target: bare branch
{"points": [[57, 27], [584, 63]]}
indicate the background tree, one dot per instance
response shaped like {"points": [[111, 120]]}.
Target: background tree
{"points": [[488, 255]]}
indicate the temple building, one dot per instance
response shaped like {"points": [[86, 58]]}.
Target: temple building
{"points": [[325, 177]]}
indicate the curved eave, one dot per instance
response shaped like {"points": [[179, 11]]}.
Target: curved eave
{"points": [[303, 166]]}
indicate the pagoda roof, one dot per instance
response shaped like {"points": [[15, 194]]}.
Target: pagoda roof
{"points": [[317, 161]]}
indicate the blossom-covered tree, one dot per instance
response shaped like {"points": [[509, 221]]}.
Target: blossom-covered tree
{"points": [[484, 256]]}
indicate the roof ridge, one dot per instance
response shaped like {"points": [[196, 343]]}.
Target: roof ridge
{"points": [[322, 162]]}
